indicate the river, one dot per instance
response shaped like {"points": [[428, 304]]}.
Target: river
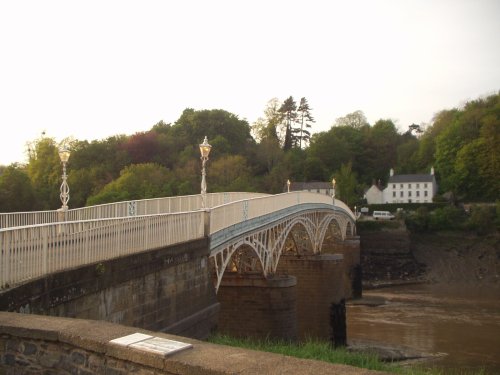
{"points": [[460, 323]]}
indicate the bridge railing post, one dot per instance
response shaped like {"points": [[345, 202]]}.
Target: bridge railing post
{"points": [[206, 222]]}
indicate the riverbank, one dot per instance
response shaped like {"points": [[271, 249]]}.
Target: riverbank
{"points": [[425, 295], [393, 256]]}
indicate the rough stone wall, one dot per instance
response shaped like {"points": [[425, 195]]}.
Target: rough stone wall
{"points": [[167, 290], [386, 256], [28, 356], [320, 282], [35, 344], [257, 307], [350, 249]]}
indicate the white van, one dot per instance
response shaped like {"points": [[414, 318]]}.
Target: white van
{"points": [[384, 215]]}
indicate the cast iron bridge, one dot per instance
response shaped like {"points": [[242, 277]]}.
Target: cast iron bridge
{"points": [[248, 232]]}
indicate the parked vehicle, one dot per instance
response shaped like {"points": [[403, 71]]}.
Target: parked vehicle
{"points": [[383, 215]]}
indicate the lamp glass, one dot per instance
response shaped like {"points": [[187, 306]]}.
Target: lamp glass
{"points": [[205, 148], [333, 182], [64, 154]]}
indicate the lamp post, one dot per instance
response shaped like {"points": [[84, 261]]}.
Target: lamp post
{"points": [[204, 150], [333, 191], [64, 156], [288, 185]]}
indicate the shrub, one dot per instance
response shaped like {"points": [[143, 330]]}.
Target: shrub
{"points": [[482, 219], [447, 218], [418, 221]]}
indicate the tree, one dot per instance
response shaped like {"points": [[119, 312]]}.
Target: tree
{"points": [[305, 119], [230, 173], [16, 191], [346, 184], [266, 128], [193, 126], [356, 120], [44, 171], [137, 181], [289, 115]]}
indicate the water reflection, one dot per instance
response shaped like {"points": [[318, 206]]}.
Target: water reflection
{"points": [[462, 322]]}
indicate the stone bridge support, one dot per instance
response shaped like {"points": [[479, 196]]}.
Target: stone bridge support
{"points": [[350, 249], [319, 285], [259, 307]]}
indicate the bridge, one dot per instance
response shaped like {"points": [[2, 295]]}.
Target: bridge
{"points": [[250, 236]]}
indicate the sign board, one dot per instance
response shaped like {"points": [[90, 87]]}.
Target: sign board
{"points": [[151, 344]]}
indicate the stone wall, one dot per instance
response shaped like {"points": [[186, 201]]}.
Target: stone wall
{"points": [[350, 249], [167, 289], [36, 345], [254, 306], [386, 257], [320, 283]]}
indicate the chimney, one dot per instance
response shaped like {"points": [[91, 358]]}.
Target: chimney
{"points": [[432, 171], [391, 172]]}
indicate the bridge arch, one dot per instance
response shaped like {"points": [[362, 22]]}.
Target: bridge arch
{"points": [[268, 243]]}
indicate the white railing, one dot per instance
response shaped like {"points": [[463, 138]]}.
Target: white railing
{"points": [[30, 252], [229, 214], [121, 209], [20, 219]]}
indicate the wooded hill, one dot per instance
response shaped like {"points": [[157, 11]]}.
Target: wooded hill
{"points": [[463, 145]]}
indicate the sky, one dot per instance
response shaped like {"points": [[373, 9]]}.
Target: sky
{"points": [[93, 69]]}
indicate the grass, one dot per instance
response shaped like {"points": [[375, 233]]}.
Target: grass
{"points": [[322, 351]]}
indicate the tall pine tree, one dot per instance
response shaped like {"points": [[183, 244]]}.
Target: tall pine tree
{"points": [[289, 111], [304, 119]]}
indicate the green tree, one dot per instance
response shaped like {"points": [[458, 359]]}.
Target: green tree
{"points": [[230, 173], [137, 181], [346, 185], [305, 119], [356, 120], [16, 191], [44, 170], [193, 126], [266, 128], [289, 116]]}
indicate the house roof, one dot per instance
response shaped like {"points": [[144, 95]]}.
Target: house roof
{"points": [[411, 178], [298, 186]]}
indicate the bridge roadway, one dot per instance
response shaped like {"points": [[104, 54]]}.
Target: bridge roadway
{"points": [[35, 244]]}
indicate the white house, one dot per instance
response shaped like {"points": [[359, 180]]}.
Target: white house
{"points": [[404, 188]]}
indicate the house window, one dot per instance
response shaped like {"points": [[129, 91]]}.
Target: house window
{"points": [[409, 193], [394, 194], [418, 193], [394, 186], [409, 186], [317, 191], [418, 186], [425, 185], [425, 193], [401, 194], [401, 186]]}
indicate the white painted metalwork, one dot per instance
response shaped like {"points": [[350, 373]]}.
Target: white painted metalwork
{"points": [[267, 243], [30, 252], [205, 151], [248, 231], [126, 208]]}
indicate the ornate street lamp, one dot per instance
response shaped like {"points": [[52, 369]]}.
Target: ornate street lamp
{"points": [[333, 191], [288, 185], [204, 150], [64, 155]]}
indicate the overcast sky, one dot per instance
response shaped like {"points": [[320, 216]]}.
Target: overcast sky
{"points": [[92, 69]]}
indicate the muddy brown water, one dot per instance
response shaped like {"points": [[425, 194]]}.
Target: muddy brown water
{"points": [[461, 323]]}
